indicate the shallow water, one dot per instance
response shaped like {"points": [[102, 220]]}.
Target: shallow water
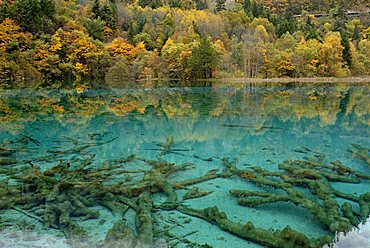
{"points": [[256, 125]]}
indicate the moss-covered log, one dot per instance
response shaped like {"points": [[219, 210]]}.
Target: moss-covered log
{"points": [[280, 239]]}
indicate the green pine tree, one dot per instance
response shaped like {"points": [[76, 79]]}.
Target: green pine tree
{"points": [[247, 6], [204, 59], [220, 5]]}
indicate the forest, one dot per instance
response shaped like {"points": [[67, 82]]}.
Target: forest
{"points": [[98, 43]]}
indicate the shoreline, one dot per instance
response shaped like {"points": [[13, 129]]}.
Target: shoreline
{"points": [[291, 80], [156, 83]]}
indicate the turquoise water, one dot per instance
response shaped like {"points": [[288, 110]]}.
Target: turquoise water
{"points": [[197, 128]]}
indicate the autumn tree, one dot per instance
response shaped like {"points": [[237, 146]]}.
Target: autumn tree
{"points": [[255, 40], [16, 58], [306, 58], [77, 54], [177, 58], [284, 66], [364, 54], [331, 56], [119, 47]]}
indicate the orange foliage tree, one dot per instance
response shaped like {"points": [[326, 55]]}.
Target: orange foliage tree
{"points": [[72, 52], [120, 48], [10, 32]]}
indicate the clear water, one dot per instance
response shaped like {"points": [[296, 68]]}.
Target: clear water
{"points": [[256, 124]]}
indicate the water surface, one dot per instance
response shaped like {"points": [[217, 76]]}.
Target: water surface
{"points": [[110, 141]]}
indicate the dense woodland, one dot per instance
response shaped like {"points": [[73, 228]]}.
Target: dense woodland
{"points": [[95, 43]]}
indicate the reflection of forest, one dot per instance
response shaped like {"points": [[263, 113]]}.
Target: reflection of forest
{"points": [[254, 108]]}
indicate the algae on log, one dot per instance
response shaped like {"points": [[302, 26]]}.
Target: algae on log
{"points": [[328, 212], [361, 153], [120, 235], [351, 215], [7, 161], [364, 203], [195, 193], [210, 175], [279, 239], [144, 219]]}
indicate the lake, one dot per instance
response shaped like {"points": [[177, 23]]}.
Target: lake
{"points": [[227, 165]]}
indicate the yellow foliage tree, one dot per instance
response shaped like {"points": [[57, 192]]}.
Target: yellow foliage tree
{"points": [[176, 56], [364, 54], [73, 51], [284, 64], [306, 58], [10, 31], [331, 56], [120, 48]]}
